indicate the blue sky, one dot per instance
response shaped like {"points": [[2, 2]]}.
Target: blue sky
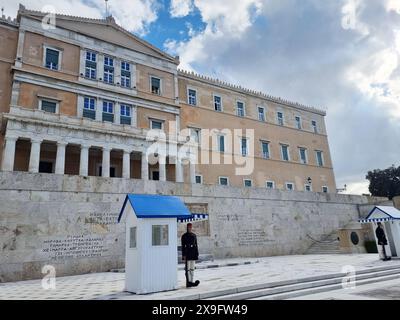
{"points": [[340, 55]]}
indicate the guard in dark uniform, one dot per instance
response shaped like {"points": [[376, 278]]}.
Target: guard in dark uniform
{"points": [[190, 254], [382, 241]]}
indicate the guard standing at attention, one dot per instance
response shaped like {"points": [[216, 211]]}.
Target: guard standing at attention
{"points": [[380, 235], [190, 254]]}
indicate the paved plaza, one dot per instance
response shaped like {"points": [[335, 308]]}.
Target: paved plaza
{"points": [[239, 273]]}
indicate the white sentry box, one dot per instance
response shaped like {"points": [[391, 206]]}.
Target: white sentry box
{"points": [[151, 261]]}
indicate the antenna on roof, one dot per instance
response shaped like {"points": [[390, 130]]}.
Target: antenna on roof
{"points": [[106, 1]]}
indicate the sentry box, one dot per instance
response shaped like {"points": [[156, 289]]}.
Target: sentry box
{"points": [[390, 219], [151, 258]]}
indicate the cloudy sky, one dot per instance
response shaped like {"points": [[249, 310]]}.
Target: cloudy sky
{"points": [[340, 55]]}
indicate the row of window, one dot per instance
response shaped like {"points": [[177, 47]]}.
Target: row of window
{"points": [[224, 181], [89, 110], [265, 150], [289, 186], [53, 62], [241, 111], [108, 69]]}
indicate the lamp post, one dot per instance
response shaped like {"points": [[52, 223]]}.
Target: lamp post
{"points": [[342, 189]]}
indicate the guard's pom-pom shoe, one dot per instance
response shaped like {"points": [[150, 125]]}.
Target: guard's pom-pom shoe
{"points": [[196, 283]]}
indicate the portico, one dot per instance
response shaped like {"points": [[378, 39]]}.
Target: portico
{"points": [[86, 151]]}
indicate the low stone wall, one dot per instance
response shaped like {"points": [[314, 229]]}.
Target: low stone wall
{"points": [[70, 221]]}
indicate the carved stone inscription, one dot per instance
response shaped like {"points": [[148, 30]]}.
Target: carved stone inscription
{"points": [[255, 237], [76, 246], [105, 218]]}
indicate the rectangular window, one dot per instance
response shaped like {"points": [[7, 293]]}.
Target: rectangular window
{"points": [[125, 114], [303, 155], [289, 186], [48, 106], [285, 152], [240, 109], [52, 59], [108, 70], [223, 181], [89, 108], [247, 182], [307, 187], [91, 65], [160, 235], [108, 111], [125, 74], [195, 134], [320, 158], [221, 143], [325, 189], [217, 103], [298, 122], [192, 97], [199, 179], [132, 238], [261, 114], [314, 126], [244, 146], [89, 103], [270, 185], [155, 85], [280, 118], [265, 149], [156, 124]]}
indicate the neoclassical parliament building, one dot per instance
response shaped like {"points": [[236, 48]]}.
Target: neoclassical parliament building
{"points": [[79, 98]]}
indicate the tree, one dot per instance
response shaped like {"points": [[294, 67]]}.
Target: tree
{"points": [[384, 183]]}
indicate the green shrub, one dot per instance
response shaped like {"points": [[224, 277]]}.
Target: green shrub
{"points": [[370, 246]]}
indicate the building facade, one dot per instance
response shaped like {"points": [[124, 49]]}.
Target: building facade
{"points": [[80, 98]]}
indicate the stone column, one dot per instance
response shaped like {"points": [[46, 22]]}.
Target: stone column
{"points": [[145, 167], [105, 166], [84, 161], [192, 169], [126, 165], [34, 158], [162, 168], [60, 159], [178, 171], [9, 154]]}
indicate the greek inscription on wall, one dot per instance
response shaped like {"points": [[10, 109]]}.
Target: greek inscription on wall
{"points": [[72, 247], [105, 218], [252, 237]]}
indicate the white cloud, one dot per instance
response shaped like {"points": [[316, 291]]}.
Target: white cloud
{"points": [[357, 188], [377, 76], [181, 8], [133, 15], [223, 22], [393, 5], [350, 17]]}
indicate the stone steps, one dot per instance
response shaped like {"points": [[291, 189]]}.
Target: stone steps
{"points": [[306, 286], [329, 245]]}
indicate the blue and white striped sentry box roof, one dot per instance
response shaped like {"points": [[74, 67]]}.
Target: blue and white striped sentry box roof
{"points": [[194, 217], [381, 214]]}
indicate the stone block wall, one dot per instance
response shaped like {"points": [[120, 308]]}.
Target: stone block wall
{"points": [[70, 221]]}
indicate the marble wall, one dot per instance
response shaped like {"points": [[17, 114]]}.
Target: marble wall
{"points": [[70, 222]]}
